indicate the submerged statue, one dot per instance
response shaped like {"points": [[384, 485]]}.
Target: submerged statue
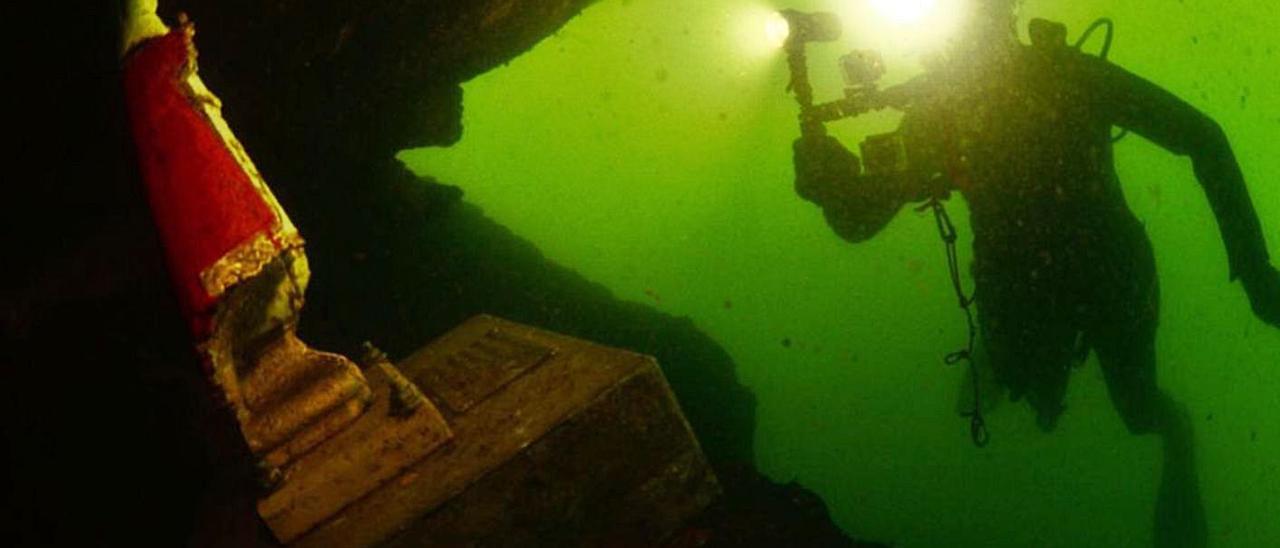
{"points": [[1061, 265], [587, 442]]}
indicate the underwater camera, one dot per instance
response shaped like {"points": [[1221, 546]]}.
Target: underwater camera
{"points": [[862, 68]]}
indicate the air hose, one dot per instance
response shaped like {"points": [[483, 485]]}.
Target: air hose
{"points": [[1104, 54]]}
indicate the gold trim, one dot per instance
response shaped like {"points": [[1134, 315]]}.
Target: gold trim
{"points": [[246, 261]]}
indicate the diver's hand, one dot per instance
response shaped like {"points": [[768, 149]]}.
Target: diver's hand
{"points": [[822, 164], [1263, 288]]}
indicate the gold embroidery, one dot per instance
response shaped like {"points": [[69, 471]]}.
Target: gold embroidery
{"points": [[246, 261]]}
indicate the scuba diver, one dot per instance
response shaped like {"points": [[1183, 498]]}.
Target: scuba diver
{"points": [[1061, 265]]}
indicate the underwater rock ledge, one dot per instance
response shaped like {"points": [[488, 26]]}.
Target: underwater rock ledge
{"points": [[365, 76], [405, 265]]}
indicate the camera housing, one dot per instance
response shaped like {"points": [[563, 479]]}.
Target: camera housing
{"points": [[862, 68], [885, 154]]}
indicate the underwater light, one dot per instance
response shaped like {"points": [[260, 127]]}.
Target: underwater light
{"points": [[907, 27], [812, 27], [904, 12], [777, 30]]}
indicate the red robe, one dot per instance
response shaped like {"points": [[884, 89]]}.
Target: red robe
{"points": [[218, 222]]}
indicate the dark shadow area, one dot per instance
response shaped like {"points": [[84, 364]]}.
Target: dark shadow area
{"points": [[104, 434]]}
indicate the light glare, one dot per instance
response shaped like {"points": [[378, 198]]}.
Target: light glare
{"points": [[904, 12], [777, 30], [903, 30], [760, 32]]}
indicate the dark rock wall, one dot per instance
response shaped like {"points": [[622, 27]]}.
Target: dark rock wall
{"points": [[358, 78], [410, 259], [102, 436]]}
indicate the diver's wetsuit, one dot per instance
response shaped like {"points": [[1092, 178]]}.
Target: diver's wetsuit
{"points": [[1057, 252]]}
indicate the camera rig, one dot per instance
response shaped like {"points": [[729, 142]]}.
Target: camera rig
{"points": [[884, 154], [862, 70]]}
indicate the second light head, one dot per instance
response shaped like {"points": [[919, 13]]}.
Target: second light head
{"points": [[812, 26]]}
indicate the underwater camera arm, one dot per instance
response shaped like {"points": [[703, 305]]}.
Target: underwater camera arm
{"points": [[806, 27], [862, 70]]}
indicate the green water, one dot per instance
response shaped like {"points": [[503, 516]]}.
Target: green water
{"points": [[647, 145]]}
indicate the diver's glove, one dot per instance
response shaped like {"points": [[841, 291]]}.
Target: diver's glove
{"points": [[822, 166], [1263, 288]]}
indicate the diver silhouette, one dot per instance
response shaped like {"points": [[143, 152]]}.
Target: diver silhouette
{"points": [[1061, 265]]}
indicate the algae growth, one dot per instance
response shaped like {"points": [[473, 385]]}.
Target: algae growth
{"points": [[648, 146]]}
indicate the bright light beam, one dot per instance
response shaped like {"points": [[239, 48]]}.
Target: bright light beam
{"points": [[904, 12], [760, 32], [777, 30], [904, 28]]}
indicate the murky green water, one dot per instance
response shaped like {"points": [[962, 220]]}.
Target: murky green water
{"points": [[647, 145]]}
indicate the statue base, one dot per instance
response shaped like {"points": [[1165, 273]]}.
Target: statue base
{"points": [[555, 442]]}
